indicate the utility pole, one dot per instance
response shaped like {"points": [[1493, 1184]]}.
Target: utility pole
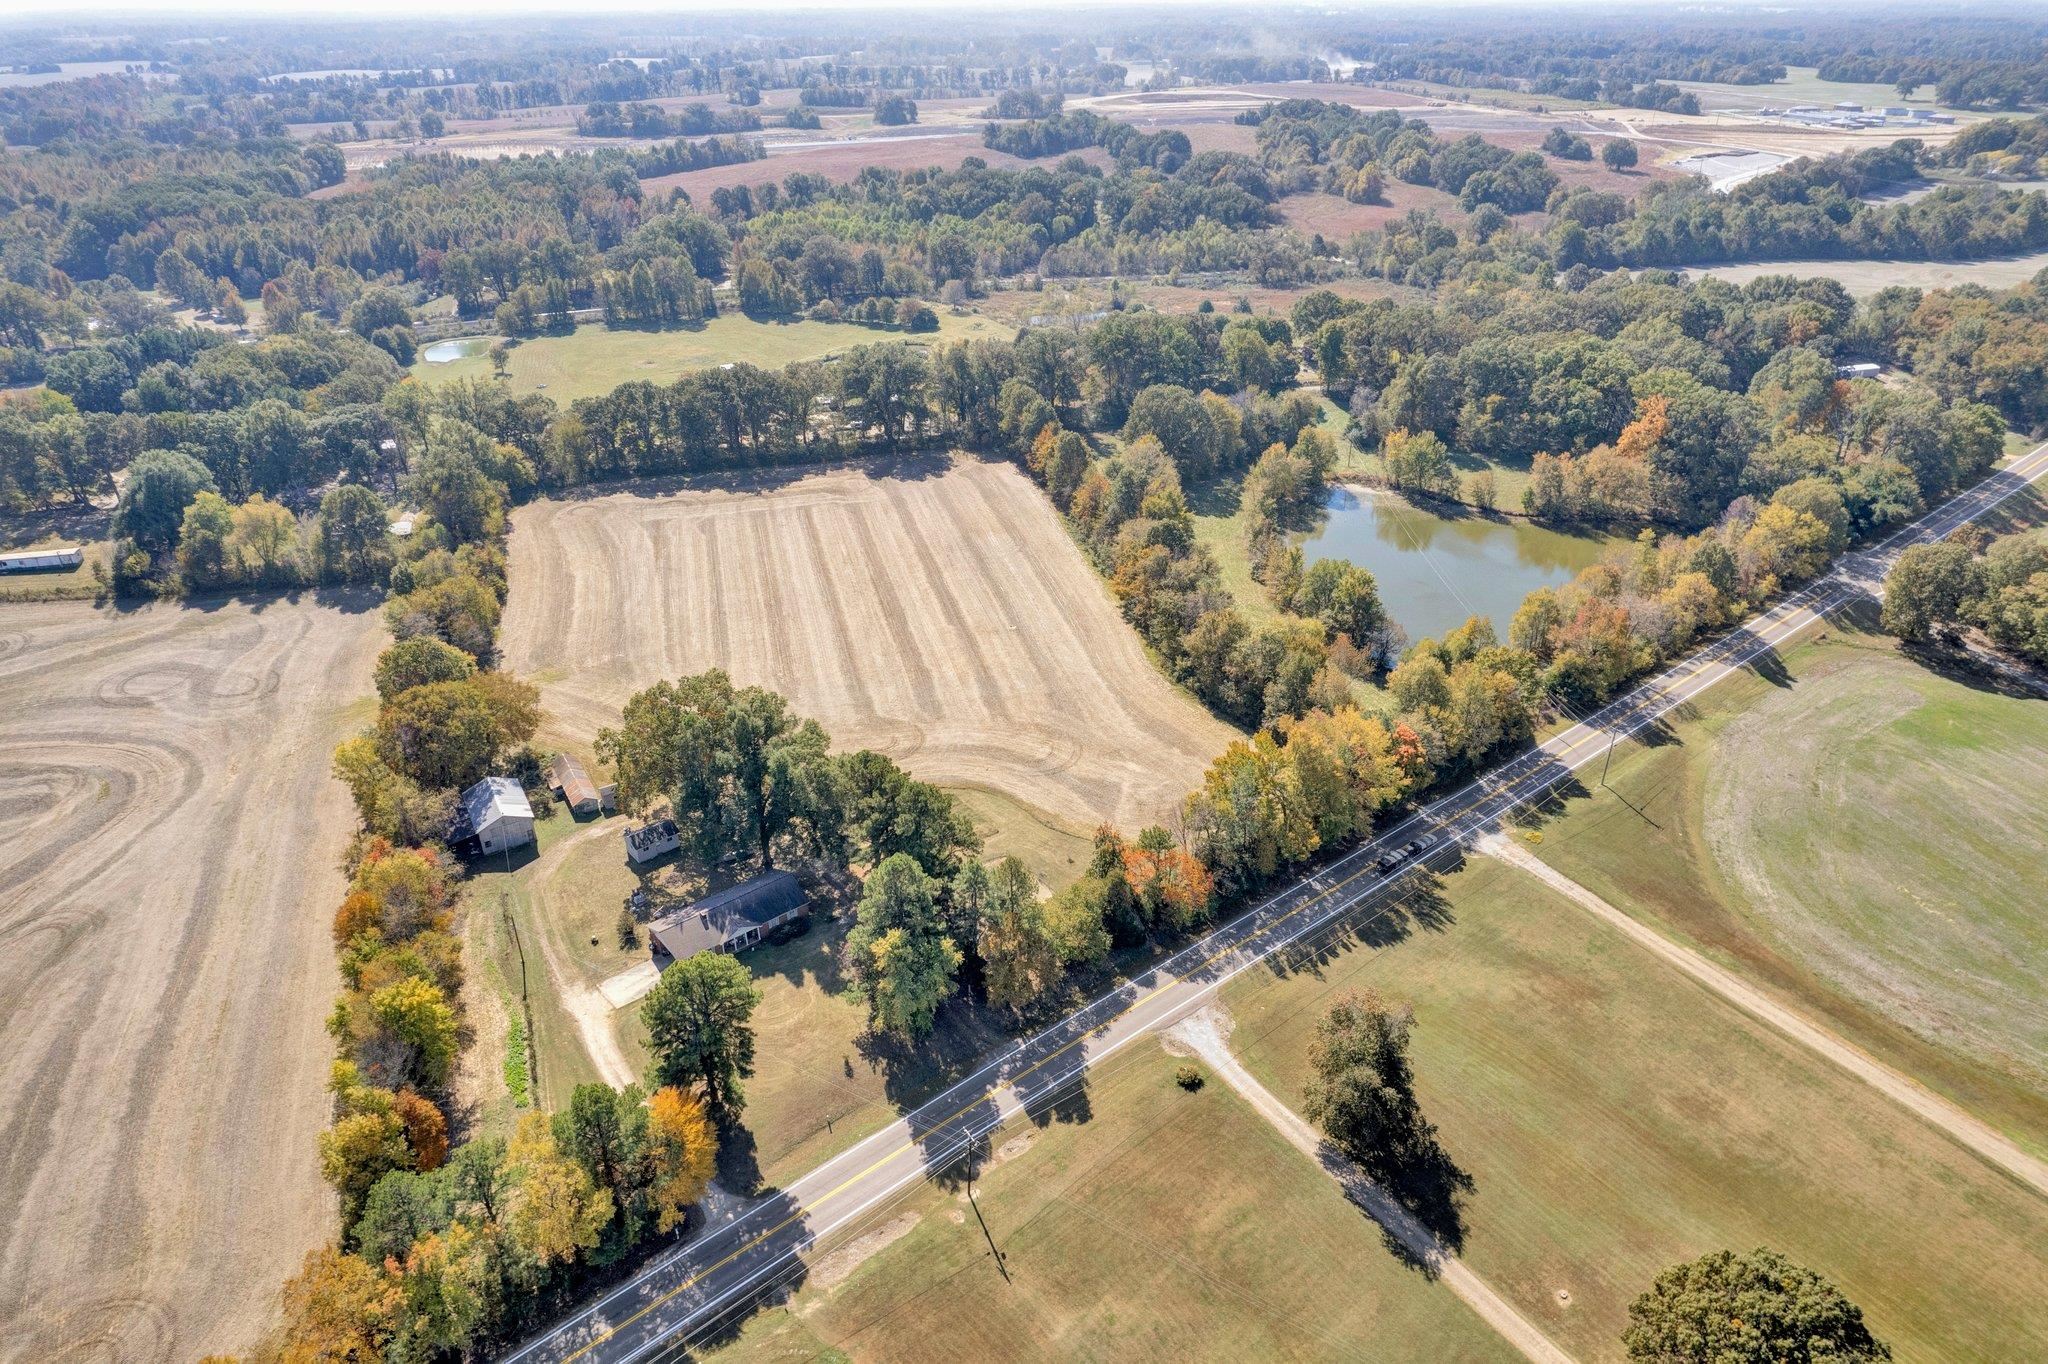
{"points": [[1612, 735]]}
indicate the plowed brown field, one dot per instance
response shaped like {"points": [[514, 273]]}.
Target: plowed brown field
{"points": [[168, 844], [937, 612]]}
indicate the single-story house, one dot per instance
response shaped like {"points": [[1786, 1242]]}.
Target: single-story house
{"points": [[579, 792], [650, 841], [495, 816], [34, 560], [733, 920]]}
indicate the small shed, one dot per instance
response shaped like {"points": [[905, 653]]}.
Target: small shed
{"points": [[40, 560], [495, 816], [650, 841], [733, 920], [578, 791]]}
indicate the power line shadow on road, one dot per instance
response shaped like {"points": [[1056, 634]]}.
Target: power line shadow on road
{"points": [[1049, 1098], [692, 1288]]}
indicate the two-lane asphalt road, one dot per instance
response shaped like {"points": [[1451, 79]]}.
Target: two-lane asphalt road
{"points": [[692, 1289]]}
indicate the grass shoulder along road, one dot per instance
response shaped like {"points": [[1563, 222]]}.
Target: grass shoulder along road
{"points": [[1616, 1118], [1858, 834], [1152, 1224]]}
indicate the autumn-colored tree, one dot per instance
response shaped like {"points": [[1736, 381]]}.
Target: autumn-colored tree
{"points": [[417, 1030], [360, 1149], [1170, 882], [338, 1310], [426, 1129], [682, 1146], [359, 913], [452, 1284], [555, 1210], [1643, 435]]}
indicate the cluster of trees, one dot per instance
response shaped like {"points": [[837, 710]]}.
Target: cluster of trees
{"points": [[1998, 148], [1652, 398], [1807, 209], [1315, 144], [445, 1253], [606, 118], [1999, 587], [743, 775]]}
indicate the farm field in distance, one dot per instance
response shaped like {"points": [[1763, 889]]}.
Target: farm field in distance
{"points": [[932, 609], [1862, 278], [595, 359], [169, 836]]}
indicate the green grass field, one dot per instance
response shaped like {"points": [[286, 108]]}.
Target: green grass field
{"points": [[1863, 836], [1615, 1119], [1803, 85], [594, 359], [1168, 1226]]}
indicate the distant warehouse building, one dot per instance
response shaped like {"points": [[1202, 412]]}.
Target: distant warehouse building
{"points": [[730, 921], [39, 560], [494, 816]]}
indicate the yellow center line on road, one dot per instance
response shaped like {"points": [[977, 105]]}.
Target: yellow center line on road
{"points": [[1322, 897]]}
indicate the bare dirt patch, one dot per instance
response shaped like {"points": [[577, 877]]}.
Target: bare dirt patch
{"points": [[934, 610], [169, 836]]}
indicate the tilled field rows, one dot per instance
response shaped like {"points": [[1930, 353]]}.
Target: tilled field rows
{"points": [[935, 612], [168, 844]]}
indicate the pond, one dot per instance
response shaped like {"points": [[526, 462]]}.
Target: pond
{"points": [[1435, 570], [456, 348]]}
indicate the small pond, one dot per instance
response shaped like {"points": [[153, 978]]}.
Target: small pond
{"points": [[1435, 570], [456, 348]]}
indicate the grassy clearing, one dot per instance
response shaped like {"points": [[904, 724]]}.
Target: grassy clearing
{"points": [[1164, 1226], [1057, 850], [1615, 1118], [1803, 85], [594, 359], [1860, 835]]}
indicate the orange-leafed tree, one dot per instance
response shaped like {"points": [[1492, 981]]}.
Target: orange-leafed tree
{"points": [[426, 1129]]}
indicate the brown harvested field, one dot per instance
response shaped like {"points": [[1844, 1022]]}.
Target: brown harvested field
{"points": [[933, 610], [1337, 218], [168, 843]]}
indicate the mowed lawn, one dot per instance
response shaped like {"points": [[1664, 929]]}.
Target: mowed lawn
{"points": [[595, 359], [819, 1082], [1616, 1118], [1167, 1226], [1864, 836]]}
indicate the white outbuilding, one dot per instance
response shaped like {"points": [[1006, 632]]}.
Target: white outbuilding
{"points": [[496, 815]]}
